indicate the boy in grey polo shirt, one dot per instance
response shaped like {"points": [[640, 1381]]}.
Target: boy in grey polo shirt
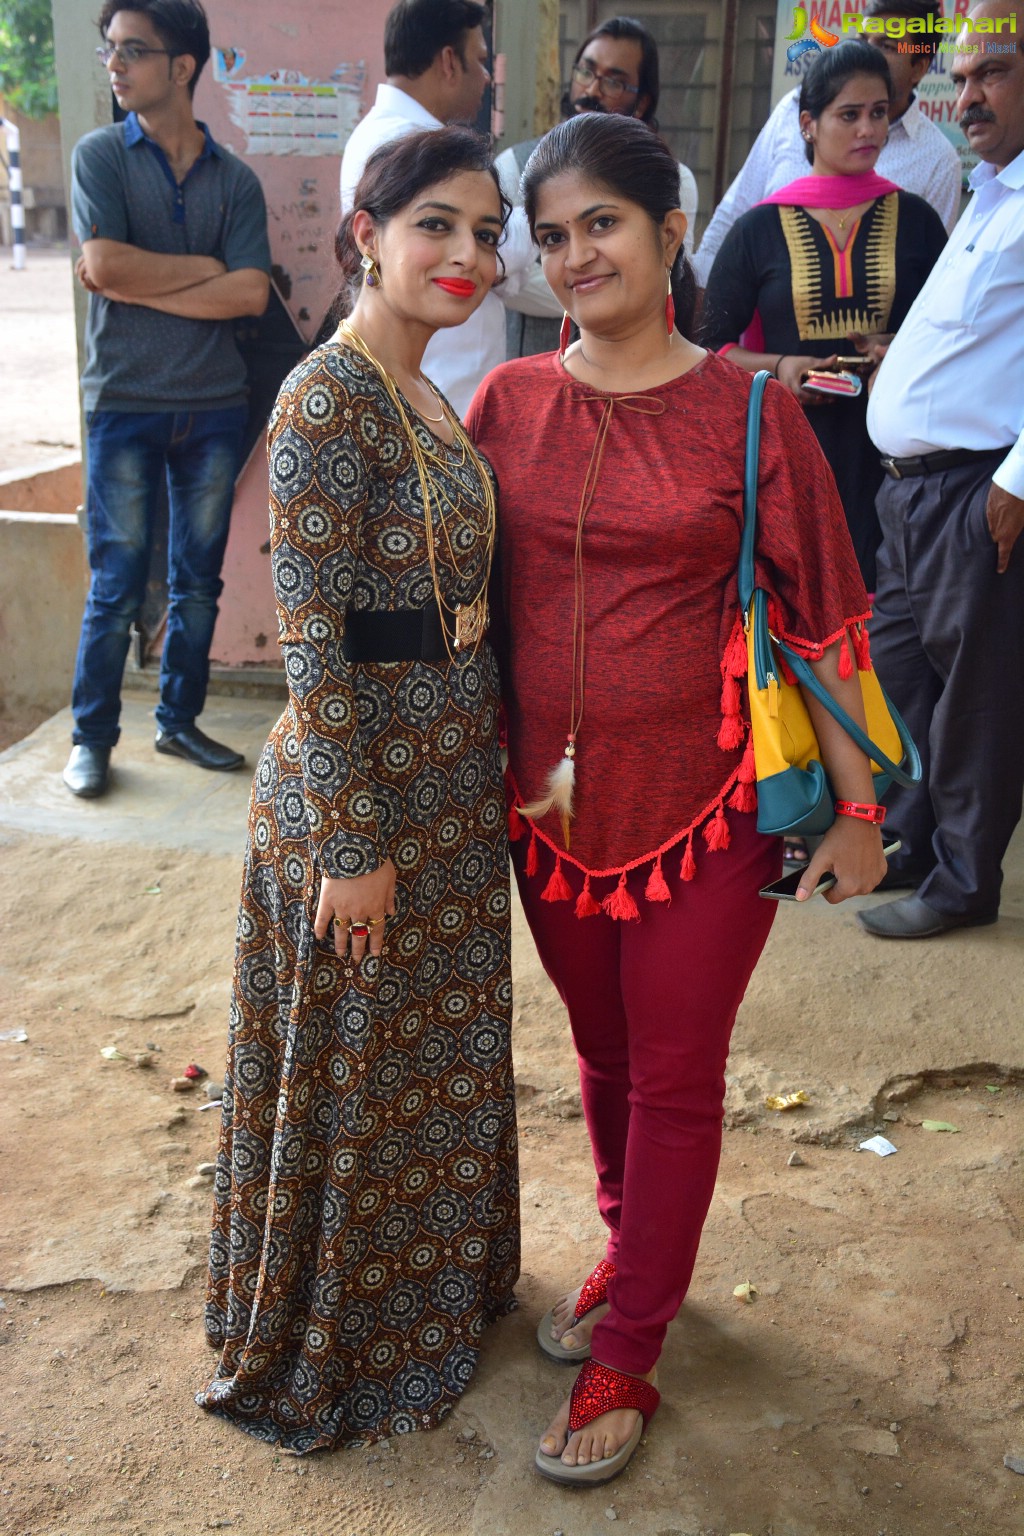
{"points": [[173, 233]]}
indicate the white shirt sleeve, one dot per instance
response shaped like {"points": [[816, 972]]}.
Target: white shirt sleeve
{"points": [[749, 188], [523, 287], [1010, 474], [508, 174], [531, 296], [943, 190], [688, 204], [526, 291]]}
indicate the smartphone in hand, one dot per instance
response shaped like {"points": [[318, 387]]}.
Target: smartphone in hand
{"points": [[786, 888]]}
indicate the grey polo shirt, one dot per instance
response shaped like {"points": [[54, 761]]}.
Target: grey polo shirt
{"points": [[122, 188]]}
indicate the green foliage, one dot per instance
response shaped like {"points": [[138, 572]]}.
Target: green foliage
{"points": [[28, 76]]}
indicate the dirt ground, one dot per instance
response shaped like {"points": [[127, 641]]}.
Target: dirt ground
{"points": [[873, 1387], [874, 1384]]}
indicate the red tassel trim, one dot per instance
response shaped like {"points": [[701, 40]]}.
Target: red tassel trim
{"points": [[861, 647], [845, 659], [516, 825], [730, 733], [739, 792], [657, 886], [730, 696], [748, 767], [620, 904], [716, 832], [558, 887], [734, 662], [743, 797]]}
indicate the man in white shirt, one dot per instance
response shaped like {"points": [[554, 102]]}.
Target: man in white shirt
{"points": [[616, 69], [917, 155], [947, 415], [435, 57]]}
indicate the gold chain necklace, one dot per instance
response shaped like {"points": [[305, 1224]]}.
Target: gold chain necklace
{"points": [[437, 397], [471, 619]]}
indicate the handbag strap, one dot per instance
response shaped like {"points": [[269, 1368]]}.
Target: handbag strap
{"points": [[907, 776], [754, 604], [751, 466]]}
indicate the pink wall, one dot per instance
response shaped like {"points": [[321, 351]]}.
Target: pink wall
{"points": [[284, 95]]}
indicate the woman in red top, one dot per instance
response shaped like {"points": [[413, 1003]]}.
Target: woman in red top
{"points": [[620, 470]]}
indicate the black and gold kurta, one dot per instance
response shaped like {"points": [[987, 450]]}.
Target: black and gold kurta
{"points": [[786, 267], [366, 1214]]}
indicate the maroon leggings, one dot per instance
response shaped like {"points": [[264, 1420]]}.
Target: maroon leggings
{"points": [[652, 1005]]}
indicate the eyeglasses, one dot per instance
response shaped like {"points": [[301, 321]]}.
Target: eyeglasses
{"points": [[610, 86], [127, 53]]}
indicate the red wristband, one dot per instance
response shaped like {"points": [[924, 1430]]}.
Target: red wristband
{"points": [[875, 813]]}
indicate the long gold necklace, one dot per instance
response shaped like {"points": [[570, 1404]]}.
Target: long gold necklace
{"points": [[471, 618], [437, 397]]}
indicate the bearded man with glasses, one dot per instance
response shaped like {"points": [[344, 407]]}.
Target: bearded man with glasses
{"points": [[173, 236], [615, 70]]}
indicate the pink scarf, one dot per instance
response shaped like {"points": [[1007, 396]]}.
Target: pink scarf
{"points": [[832, 191]]}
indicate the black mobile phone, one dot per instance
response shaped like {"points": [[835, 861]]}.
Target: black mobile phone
{"points": [[786, 888]]}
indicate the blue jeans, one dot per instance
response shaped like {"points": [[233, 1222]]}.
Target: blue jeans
{"points": [[129, 453]]}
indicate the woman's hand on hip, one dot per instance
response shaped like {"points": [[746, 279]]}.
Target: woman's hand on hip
{"points": [[852, 850], [359, 909]]}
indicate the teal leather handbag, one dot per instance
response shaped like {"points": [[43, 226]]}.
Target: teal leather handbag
{"points": [[794, 796]]}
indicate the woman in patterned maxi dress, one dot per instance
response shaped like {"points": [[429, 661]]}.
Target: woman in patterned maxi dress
{"points": [[366, 1216]]}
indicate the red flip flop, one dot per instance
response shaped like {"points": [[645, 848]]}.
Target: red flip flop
{"points": [[594, 1293], [598, 1389]]}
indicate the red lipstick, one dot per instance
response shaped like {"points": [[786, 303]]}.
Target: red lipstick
{"points": [[459, 287]]}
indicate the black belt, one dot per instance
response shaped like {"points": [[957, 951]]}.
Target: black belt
{"points": [[407, 634], [932, 463]]}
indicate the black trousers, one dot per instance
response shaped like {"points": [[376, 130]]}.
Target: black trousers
{"points": [[947, 643]]}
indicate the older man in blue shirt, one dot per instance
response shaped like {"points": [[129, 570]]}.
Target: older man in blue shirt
{"points": [[947, 414], [174, 247]]}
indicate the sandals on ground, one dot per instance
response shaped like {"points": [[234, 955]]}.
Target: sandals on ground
{"points": [[593, 1294], [598, 1389]]}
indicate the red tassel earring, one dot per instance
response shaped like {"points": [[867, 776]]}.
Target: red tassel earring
{"points": [[670, 308], [564, 334]]}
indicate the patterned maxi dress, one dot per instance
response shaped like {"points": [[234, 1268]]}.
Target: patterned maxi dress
{"points": [[366, 1211]]}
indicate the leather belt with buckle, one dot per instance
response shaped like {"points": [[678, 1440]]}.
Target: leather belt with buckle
{"points": [[933, 463]]}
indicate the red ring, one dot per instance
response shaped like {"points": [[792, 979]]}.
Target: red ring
{"points": [[360, 931]]}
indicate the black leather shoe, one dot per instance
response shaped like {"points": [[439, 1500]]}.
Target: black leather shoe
{"points": [[912, 918], [87, 771], [195, 748]]}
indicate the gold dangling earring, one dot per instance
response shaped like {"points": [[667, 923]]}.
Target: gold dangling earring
{"points": [[670, 308], [372, 272]]}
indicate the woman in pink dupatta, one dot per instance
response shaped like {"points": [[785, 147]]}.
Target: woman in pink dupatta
{"points": [[831, 258]]}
